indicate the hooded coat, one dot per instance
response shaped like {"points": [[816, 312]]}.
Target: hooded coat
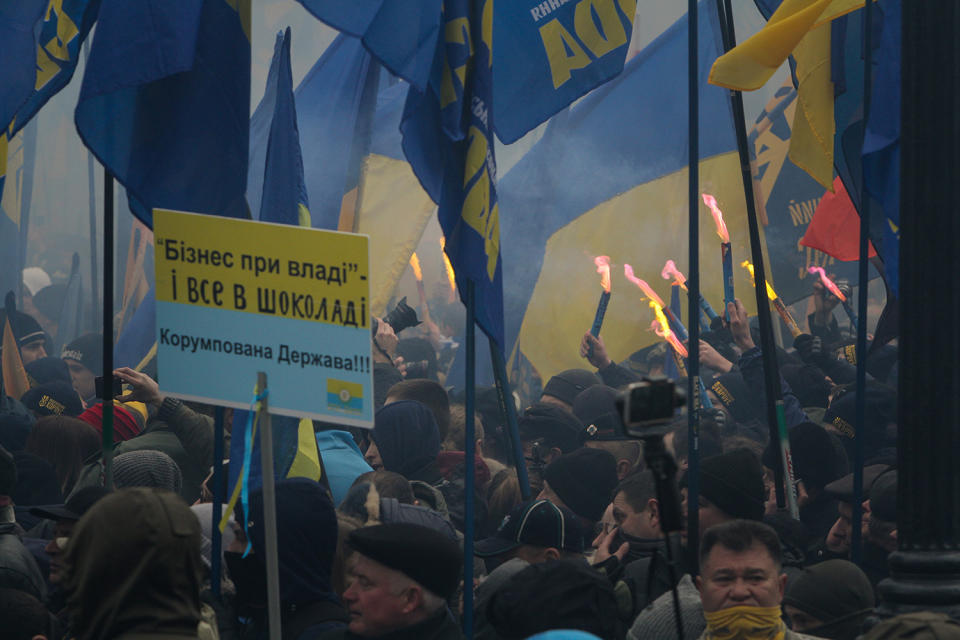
{"points": [[137, 580], [306, 545]]}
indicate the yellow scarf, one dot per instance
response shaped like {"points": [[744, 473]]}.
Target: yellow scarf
{"points": [[745, 623]]}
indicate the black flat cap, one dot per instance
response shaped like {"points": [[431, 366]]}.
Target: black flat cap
{"points": [[842, 489], [423, 555], [74, 508]]}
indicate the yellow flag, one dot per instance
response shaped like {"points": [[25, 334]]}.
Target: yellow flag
{"points": [[749, 65], [15, 382], [811, 141], [306, 462]]}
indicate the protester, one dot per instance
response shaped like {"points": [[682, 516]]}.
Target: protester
{"points": [[836, 544], [25, 618], [920, 625], [547, 431], [562, 389], [596, 409], [30, 336], [401, 576], [48, 369], [342, 459], [18, 569], [54, 398], [428, 393], [139, 578], [831, 599], [741, 582], [83, 358], [306, 544], [582, 481]]}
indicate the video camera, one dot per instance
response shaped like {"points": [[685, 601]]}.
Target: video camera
{"points": [[402, 317], [649, 406]]}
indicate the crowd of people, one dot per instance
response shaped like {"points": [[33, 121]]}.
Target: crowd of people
{"points": [[375, 549]]}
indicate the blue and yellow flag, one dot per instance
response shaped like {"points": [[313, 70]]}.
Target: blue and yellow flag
{"points": [[165, 101], [548, 54], [284, 201], [17, 164], [448, 139], [337, 99], [41, 46], [609, 177]]}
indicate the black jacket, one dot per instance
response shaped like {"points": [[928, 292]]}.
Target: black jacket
{"points": [[18, 569]]}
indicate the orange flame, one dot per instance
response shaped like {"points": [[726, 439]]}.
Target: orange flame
{"points": [[603, 268], [711, 202], [828, 283], [451, 276], [670, 271], [647, 291], [770, 292], [661, 327], [415, 265]]}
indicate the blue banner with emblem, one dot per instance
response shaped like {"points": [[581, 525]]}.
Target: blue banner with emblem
{"points": [[550, 52]]}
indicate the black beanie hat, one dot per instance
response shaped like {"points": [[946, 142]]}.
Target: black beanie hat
{"points": [[47, 369], [25, 328], [55, 398], [567, 384], [584, 480], [86, 350], [735, 396], [881, 410], [545, 420], [733, 481], [422, 554], [596, 408], [836, 592], [883, 497]]}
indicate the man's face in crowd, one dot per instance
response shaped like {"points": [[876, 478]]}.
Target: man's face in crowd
{"points": [[372, 599], [606, 524], [82, 378], [639, 524], [838, 539], [747, 578], [33, 351], [55, 548], [372, 456]]}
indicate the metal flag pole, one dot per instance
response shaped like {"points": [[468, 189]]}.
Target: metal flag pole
{"points": [[469, 448], [856, 543], [269, 510], [216, 543], [107, 329], [505, 397], [783, 471], [693, 286]]}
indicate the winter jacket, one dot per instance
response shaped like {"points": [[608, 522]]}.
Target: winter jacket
{"points": [[18, 569]]}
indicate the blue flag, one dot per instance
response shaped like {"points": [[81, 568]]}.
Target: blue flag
{"points": [[448, 140], [137, 345], [403, 36], [41, 46], [609, 177], [548, 54], [165, 100], [284, 193], [337, 99]]}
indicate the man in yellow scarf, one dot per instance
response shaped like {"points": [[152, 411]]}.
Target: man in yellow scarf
{"points": [[741, 583]]}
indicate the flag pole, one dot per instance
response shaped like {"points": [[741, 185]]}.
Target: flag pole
{"points": [[469, 450], [783, 471], [107, 328], [509, 409], [92, 191], [693, 286], [216, 543], [856, 542], [269, 510]]}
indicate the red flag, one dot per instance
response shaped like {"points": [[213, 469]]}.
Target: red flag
{"points": [[835, 227]]}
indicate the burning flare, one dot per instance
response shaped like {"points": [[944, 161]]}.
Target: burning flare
{"points": [[670, 271], [415, 265], [603, 268], [711, 202], [828, 283], [451, 276], [647, 291], [770, 292], [661, 326]]}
